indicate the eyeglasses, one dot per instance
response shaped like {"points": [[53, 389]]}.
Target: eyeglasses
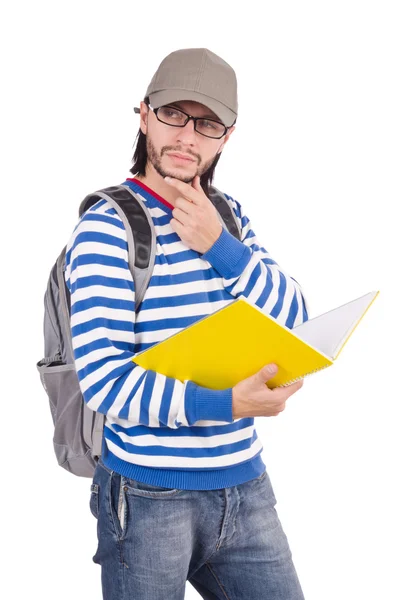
{"points": [[178, 118]]}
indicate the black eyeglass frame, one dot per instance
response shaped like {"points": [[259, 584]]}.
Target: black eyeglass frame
{"points": [[189, 117]]}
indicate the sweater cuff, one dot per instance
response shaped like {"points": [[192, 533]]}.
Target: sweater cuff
{"points": [[228, 255], [204, 404]]}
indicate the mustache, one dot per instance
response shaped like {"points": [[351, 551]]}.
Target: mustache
{"points": [[171, 149]]}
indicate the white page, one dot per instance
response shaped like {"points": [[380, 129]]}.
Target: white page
{"points": [[328, 331]]}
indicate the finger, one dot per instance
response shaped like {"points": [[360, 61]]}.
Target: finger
{"points": [[294, 387], [284, 392], [185, 189], [181, 216], [183, 204], [177, 227]]}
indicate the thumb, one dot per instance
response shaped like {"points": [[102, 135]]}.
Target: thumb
{"points": [[268, 372]]}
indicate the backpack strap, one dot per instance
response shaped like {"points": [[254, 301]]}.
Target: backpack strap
{"points": [[141, 235], [225, 210]]}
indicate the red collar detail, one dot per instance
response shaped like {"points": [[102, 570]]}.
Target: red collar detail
{"points": [[150, 191]]}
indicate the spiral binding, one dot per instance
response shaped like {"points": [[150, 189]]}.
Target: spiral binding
{"points": [[302, 376]]}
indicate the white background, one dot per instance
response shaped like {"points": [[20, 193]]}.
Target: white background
{"points": [[313, 162]]}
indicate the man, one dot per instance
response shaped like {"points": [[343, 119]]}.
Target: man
{"points": [[180, 492]]}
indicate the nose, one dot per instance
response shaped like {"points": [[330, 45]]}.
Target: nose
{"points": [[187, 134]]}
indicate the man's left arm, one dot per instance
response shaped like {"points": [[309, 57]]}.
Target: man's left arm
{"points": [[248, 270], [246, 267]]}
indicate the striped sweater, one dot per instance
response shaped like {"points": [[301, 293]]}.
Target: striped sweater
{"points": [[161, 430]]}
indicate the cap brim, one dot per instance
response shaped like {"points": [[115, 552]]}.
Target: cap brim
{"points": [[163, 97]]}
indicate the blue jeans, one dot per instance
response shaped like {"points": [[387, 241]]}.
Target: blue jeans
{"points": [[228, 543]]}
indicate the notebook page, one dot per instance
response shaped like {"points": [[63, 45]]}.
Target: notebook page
{"points": [[329, 331]]}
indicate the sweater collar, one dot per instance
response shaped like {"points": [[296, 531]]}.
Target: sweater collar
{"points": [[149, 190]]}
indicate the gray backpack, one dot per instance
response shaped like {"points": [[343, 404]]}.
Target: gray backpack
{"points": [[78, 432]]}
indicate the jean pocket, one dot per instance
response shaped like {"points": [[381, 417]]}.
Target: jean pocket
{"points": [[267, 488], [118, 505], [94, 500], [140, 488]]}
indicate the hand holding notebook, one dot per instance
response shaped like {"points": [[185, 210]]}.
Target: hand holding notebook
{"points": [[253, 398]]}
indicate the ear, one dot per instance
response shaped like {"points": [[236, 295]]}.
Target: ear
{"points": [[144, 117]]}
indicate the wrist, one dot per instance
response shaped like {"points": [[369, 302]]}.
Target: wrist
{"points": [[235, 403], [214, 238], [228, 255]]}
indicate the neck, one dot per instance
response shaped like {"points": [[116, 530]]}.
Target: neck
{"points": [[156, 182]]}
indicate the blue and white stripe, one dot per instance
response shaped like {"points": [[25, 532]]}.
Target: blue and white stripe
{"points": [[153, 420]]}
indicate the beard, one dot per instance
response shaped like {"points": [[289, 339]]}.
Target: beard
{"points": [[155, 158]]}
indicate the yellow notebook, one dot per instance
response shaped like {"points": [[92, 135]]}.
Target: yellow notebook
{"points": [[236, 341]]}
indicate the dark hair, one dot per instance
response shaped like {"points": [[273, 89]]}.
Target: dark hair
{"points": [[140, 160]]}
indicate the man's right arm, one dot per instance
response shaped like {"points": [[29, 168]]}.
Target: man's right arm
{"points": [[104, 336]]}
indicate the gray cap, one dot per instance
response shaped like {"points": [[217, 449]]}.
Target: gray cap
{"points": [[196, 74]]}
